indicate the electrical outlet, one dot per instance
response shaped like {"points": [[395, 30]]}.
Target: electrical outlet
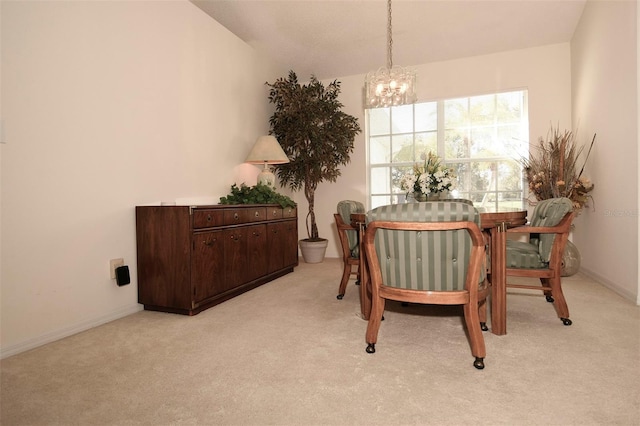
{"points": [[113, 264]]}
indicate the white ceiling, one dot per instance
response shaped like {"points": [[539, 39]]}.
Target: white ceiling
{"points": [[336, 38]]}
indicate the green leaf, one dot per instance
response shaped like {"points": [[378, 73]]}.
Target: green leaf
{"points": [[258, 194]]}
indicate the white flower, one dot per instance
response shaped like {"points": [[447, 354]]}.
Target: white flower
{"points": [[408, 182], [428, 177]]}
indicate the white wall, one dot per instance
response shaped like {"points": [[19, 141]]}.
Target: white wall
{"points": [[605, 102], [109, 105], [544, 71]]}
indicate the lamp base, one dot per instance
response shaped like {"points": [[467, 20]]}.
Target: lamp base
{"points": [[266, 177]]}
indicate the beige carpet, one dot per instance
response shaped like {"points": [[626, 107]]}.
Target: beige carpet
{"points": [[290, 353]]}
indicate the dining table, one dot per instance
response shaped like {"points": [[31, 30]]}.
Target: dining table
{"points": [[494, 222]]}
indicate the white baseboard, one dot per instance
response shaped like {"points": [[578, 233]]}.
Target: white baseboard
{"points": [[611, 285], [67, 331]]}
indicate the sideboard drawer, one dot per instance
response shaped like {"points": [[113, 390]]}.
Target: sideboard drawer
{"points": [[245, 215], [257, 214], [289, 212], [235, 216], [274, 213], [207, 218]]}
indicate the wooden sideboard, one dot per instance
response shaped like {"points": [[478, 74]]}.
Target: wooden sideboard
{"points": [[193, 257]]}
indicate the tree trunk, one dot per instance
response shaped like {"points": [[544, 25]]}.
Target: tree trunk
{"points": [[312, 228]]}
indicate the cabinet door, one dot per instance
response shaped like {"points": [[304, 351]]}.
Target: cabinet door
{"points": [[235, 257], [276, 246], [207, 278], [290, 237], [257, 258], [283, 244]]}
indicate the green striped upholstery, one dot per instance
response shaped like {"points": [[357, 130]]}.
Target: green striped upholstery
{"points": [[424, 260], [345, 208], [536, 253], [524, 255]]}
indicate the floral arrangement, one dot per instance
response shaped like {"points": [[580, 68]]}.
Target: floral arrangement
{"points": [[554, 172], [428, 178]]}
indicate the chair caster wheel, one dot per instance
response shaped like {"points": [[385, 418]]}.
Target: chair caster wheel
{"points": [[483, 326], [550, 299], [371, 348], [340, 296], [479, 363], [566, 321]]}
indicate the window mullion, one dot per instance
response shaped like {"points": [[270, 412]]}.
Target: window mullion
{"points": [[440, 129]]}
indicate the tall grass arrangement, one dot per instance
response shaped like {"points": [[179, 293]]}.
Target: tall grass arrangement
{"points": [[554, 170]]}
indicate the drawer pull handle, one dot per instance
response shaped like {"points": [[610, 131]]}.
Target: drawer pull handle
{"points": [[207, 243], [257, 213], [275, 213], [235, 216], [208, 218]]}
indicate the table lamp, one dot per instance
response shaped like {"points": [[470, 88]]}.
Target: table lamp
{"points": [[267, 151]]}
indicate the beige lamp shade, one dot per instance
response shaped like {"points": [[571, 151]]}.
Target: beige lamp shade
{"points": [[267, 151]]}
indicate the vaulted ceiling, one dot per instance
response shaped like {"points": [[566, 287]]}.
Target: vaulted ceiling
{"points": [[336, 38]]}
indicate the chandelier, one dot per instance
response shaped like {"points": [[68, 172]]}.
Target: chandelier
{"points": [[390, 86]]}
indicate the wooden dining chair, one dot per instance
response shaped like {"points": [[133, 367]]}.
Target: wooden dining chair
{"points": [[428, 253], [541, 255], [349, 242]]}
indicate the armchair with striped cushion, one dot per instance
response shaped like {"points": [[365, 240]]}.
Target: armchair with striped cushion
{"points": [[429, 253], [541, 255], [349, 242]]}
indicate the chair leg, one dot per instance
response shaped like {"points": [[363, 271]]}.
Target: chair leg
{"points": [[476, 339], [375, 317], [547, 293], [560, 304], [343, 282], [482, 314]]}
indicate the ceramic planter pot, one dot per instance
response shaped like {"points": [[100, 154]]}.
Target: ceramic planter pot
{"points": [[313, 251]]}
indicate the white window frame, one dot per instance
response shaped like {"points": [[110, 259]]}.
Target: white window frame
{"points": [[492, 197]]}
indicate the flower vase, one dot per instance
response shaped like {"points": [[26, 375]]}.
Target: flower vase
{"points": [[418, 196], [571, 260]]}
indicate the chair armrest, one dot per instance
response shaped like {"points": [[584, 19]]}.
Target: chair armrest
{"points": [[564, 226], [344, 227], [536, 230], [341, 225]]}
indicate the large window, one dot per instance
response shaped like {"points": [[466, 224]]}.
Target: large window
{"points": [[482, 138]]}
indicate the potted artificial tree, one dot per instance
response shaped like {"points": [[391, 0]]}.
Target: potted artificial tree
{"points": [[317, 137]]}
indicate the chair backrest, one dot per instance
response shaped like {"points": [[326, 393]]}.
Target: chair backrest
{"points": [[435, 260], [548, 213], [345, 209]]}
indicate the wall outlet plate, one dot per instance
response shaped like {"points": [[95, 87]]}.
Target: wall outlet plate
{"points": [[113, 264]]}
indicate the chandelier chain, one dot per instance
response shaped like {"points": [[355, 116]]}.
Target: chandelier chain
{"points": [[389, 37]]}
